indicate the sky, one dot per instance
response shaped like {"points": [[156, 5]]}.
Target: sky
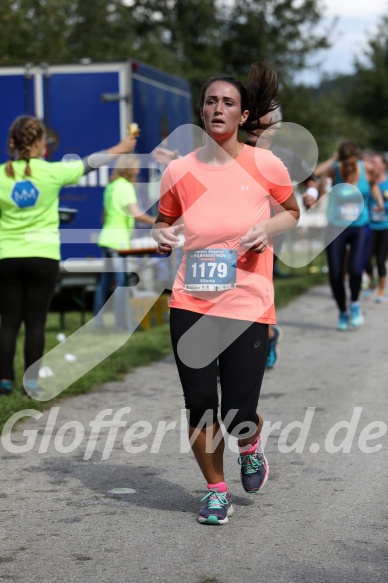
{"points": [[356, 19]]}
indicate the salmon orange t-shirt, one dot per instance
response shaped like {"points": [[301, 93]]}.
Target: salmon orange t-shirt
{"points": [[217, 205]]}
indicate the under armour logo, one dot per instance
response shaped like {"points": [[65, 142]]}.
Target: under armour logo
{"points": [[245, 188]]}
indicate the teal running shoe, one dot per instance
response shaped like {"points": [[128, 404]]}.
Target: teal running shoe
{"points": [[254, 470], [381, 299], [273, 351], [343, 322], [356, 317], [217, 509], [5, 388], [367, 293]]}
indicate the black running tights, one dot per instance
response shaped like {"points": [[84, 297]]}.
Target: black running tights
{"points": [[358, 241], [379, 250], [241, 367], [26, 287]]}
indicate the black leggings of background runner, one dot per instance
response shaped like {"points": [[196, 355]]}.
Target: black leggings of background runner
{"points": [[378, 249], [358, 240], [26, 287]]}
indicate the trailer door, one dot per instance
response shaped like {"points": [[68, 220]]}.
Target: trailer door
{"points": [[16, 98], [85, 120]]}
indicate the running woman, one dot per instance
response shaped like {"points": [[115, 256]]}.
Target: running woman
{"points": [[342, 231], [379, 228], [271, 121], [220, 195], [29, 241]]}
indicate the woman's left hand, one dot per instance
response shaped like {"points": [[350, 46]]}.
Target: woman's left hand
{"points": [[256, 238]]}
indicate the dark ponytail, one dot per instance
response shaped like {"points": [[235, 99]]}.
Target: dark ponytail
{"points": [[263, 93]]}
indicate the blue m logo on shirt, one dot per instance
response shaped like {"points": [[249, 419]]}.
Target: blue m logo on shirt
{"points": [[24, 194]]}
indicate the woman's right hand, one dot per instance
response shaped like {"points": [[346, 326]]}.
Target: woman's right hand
{"points": [[167, 238]]}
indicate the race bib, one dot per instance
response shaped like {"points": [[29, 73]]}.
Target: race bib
{"points": [[378, 217], [211, 270], [349, 211]]}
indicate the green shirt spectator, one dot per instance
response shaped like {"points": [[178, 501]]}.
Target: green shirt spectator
{"points": [[29, 241]]}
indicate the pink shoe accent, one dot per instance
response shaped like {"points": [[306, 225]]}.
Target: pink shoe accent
{"points": [[252, 449], [219, 487]]}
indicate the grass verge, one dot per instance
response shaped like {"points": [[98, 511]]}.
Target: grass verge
{"points": [[142, 348]]}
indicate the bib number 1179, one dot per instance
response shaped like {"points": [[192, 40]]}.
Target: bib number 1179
{"points": [[210, 270]]}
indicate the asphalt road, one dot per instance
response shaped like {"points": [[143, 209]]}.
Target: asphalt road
{"points": [[322, 517]]}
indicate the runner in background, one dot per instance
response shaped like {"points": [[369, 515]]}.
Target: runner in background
{"points": [[272, 122], [379, 239], [219, 197], [342, 232], [29, 241]]}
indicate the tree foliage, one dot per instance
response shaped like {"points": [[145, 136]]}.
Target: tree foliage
{"points": [[369, 98], [325, 116], [189, 37], [180, 36], [58, 31], [282, 31]]}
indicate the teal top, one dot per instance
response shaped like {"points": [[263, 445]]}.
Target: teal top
{"points": [[379, 220], [349, 203]]}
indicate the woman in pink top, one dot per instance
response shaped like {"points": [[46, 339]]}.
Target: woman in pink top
{"points": [[220, 196]]}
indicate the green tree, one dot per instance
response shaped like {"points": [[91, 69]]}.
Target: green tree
{"points": [[325, 116], [191, 38], [194, 38], [198, 38], [281, 31], [369, 98], [64, 30], [101, 30], [181, 36]]}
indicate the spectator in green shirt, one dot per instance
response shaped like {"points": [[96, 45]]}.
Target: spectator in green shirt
{"points": [[29, 241], [120, 210]]}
